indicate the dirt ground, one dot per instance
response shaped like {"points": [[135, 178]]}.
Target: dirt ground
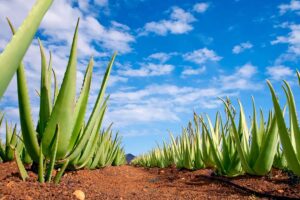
{"points": [[128, 182]]}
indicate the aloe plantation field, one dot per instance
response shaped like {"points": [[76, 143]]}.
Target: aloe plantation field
{"points": [[117, 99]]}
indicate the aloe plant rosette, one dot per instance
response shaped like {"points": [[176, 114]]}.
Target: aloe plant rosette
{"points": [[61, 135], [290, 138]]}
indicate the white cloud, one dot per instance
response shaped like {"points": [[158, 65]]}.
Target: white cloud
{"points": [[164, 103], [134, 113], [113, 79], [178, 23], [201, 7], [148, 69], [116, 37], [143, 132], [292, 40], [6, 8], [83, 4], [190, 71], [59, 23], [237, 49], [160, 56], [241, 79], [294, 5], [201, 56], [279, 72]]}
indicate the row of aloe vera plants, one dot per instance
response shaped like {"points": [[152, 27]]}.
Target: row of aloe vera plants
{"points": [[232, 146], [61, 138]]}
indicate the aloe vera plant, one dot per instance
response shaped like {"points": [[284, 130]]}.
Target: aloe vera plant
{"points": [[289, 137], [14, 52], [120, 158], [224, 152], [13, 143], [257, 154], [279, 159], [61, 137], [106, 151]]}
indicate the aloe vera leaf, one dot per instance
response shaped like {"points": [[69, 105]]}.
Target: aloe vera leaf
{"points": [[98, 153], [90, 143], [226, 158], [115, 150], [212, 131], [53, 156], [21, 167], [245, 131], [45, 99], [14, 52], [89, 152], [198, 156], [61, 172], [214, 148], [204, 146], [79, 137], [86, 150], [217, 128], [26, 157], [100, 96], [49, 77], [290, 154], [55, 94], [63, 110], [20, 145], [28, 132], [174, 145], [8, 136], [81, 104], [261, 129], [255, 143], [267, 152], [236, 137], [293, 118], [41, 166], [12, 144], [1, 119], [2, 152], [292, 130], [84, 138]]}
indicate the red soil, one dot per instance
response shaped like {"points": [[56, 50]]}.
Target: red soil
{"points": [[127, 182]]}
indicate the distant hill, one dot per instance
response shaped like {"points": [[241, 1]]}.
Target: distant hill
{"points": [[129, 157]]}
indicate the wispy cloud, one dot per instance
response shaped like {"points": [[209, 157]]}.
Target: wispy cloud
{"points": [[241, 79], [201, 7], [237, 49], [162, 57], [179, 22], [201, 56], [162, 103], [279, 72], [294, 5], [292, 39], [188, 71], [148, 69]]}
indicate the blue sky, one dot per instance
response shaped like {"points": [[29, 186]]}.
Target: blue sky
{"points": [[174, 57]]}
